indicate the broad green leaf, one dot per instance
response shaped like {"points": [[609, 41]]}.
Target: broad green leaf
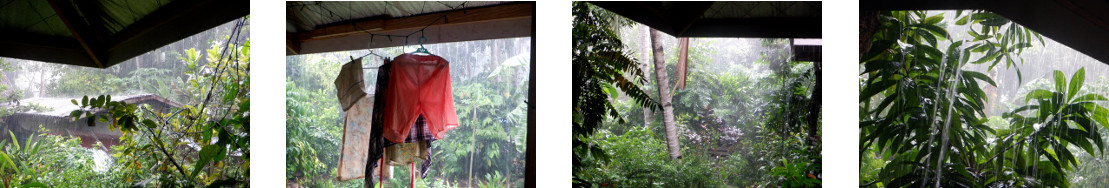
{"points": [[74, 101], [962, 21], [1060, 81], [206, 155], [979, 76], [1076, 82], [1038, 94], [1091, 97], [6, 161], [85, 101], [149, 123]]}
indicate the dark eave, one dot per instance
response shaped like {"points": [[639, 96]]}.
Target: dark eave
{"points": [[92, 45], [1081, 25], [685, 19]]}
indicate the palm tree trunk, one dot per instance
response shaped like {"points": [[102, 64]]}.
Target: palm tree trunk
{"points": [[664, 97], [648, 114]]}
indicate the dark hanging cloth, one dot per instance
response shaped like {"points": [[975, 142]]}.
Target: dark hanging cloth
{"points": [[378, 143]]}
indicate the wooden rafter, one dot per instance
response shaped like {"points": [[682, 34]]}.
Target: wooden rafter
{"points": [[292, 46], [511, 11], [480, 23], [82, 31]]}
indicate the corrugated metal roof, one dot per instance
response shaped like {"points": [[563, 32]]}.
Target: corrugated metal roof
{"points": [[305, 16]]}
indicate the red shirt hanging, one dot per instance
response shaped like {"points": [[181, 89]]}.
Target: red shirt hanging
{"points": [[419, 84]]}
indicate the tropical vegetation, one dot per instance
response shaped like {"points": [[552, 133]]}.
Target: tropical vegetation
{"points": [[745, 117], [931, 115], [205, 142], [489, 80]]}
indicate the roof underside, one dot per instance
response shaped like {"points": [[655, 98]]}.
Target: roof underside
{"points": [[1081, 25], [102, 33], [316, 27], [794, 19]]}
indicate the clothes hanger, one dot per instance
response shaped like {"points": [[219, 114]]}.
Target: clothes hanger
{"points": [[421, 42]]}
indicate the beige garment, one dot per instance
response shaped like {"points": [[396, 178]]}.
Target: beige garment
{"points": [[349, 84], [405, 154], [356, 136]]}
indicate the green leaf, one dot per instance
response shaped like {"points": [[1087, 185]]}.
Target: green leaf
{"points": [[74, 101], [149, 123], [76, 114], [934, 29], [1091, 97], [995, 22], [962, 21], [34, 184], [206, 155], [85, 101], [1060, 82], [1076, 82], [875, 88], [6, 161], [979, 76], [1038, 94]]}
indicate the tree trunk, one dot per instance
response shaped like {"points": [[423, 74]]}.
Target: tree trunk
{"points": [[814, 107], [473, 134], [664, 97], [645, 50], [42, 81]]}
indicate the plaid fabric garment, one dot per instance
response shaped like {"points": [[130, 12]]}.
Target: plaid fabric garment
{"points": [[419, 131]]}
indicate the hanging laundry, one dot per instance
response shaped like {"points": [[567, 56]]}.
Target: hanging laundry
{"points": [[356, 131], [356, 123], [406, 153], [349, 84], [420, 84], [377, 142]]}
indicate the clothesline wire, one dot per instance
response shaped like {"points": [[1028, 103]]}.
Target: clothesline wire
{"points": [[388, 36]]}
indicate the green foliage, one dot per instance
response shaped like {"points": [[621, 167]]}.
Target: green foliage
{"points": [[600, 66], [489, 100], [638, 159], [76, 81], [922, 120], [41, 159], [158, 147]]}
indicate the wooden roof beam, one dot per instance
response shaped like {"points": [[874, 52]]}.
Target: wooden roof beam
{"points": [[509, 11], [292, 46], [82, 31]]}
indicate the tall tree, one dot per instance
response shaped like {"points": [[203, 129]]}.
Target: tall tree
{"points": [[664, 96], [648, 115]]}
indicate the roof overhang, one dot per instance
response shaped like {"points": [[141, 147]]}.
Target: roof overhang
{"points": [[506, 20], [94, 45], [1081, 25], [724, 19]]}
